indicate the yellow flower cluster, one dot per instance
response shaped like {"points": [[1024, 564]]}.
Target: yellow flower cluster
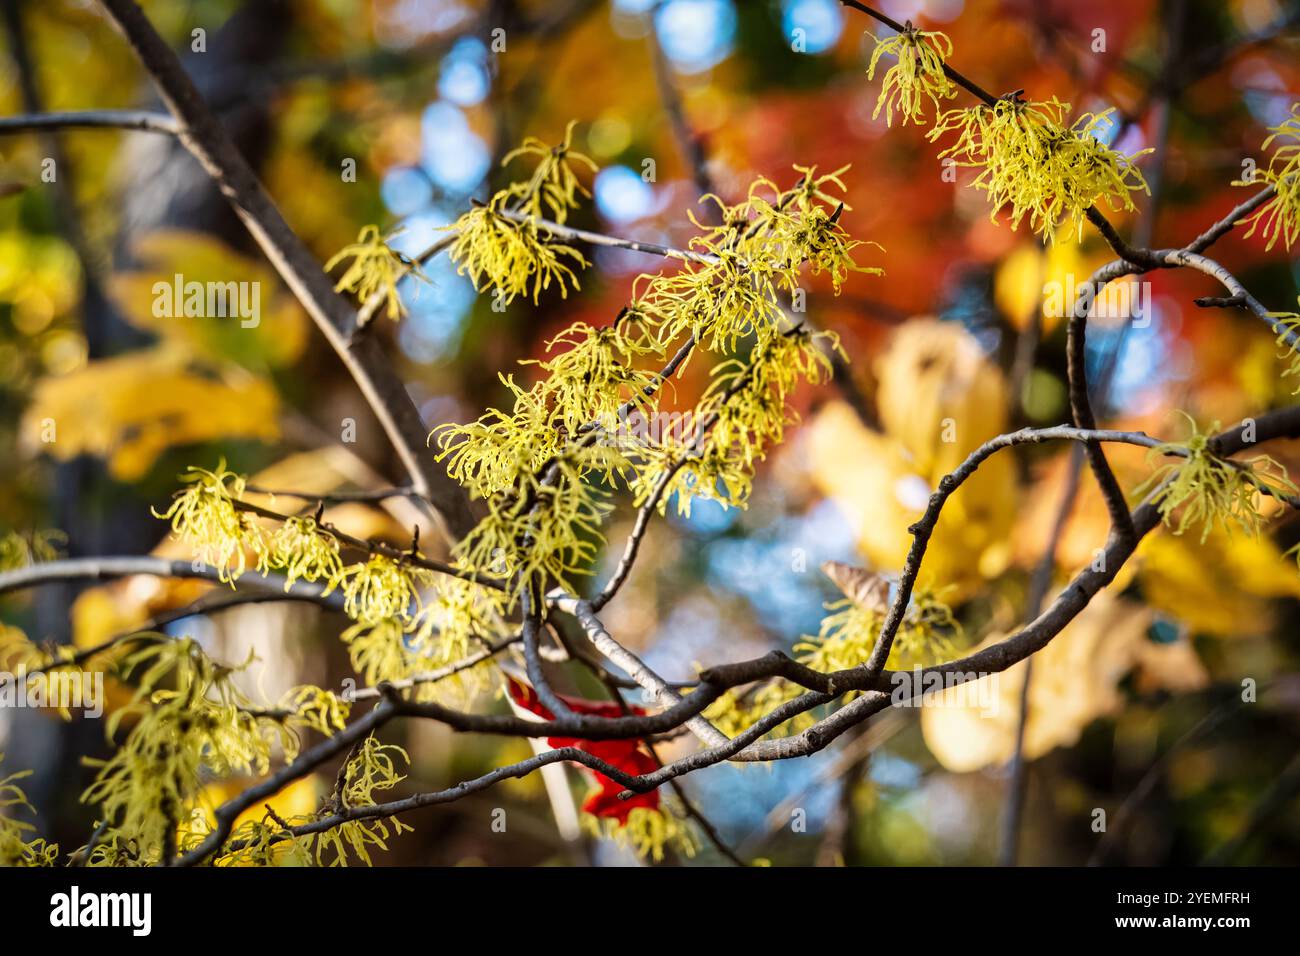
{"points": [[1279, 218], [205, 517], [1287, 326], [744, 411], [586, 384], [409, 620], [370, 769], [515, 257], [449, 617], [916, 76], [1030, 160], [382, 590], [548, 527], [188, 721], [554, 182], [16, 846], [1211, 490], [547, 465], [502, 244], [929, 634], [301, 551], [376, 267], [729, 287], [647, 832]]}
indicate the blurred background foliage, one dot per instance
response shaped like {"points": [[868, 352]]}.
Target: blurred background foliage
{"points": [[1140, 696]]}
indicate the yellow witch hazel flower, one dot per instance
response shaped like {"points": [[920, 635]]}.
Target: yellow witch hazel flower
{"points": [[917, 75], [813, 237], [378, 650], [591, 379], [725, 300], [549, 529], [205, 517], [1214, 490], [457, 612], [372, 769], [500, 245], [1279, 218], [586, 385], [188, 721], [1030, 161], [382, 589], [718, 473], [1287, 326], [488, 455], [262, 842], [533, 463], [646, 831], [16, 849], [554, 182], [512, 256], [316, 708], [302, 551], [929, 634], [727, 288], [745, 411], [375, 267]]}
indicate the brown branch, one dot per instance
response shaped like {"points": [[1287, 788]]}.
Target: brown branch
{"points": [[201, 133], [922, 529], [531, 603], [143, 121], [108, 568], [983, 95], [654, 685], [409, 556], [436, 798], [889, 687]]}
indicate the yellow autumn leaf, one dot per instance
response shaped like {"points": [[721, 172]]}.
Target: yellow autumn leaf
{"points": [[1076, 681], [939, 398], [1225, 586], [1031, 279], [939, 395], [868, 477], [259, 322], [1084, 533], [129, 409]]}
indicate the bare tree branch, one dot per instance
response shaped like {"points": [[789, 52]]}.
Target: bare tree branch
{"points": [[143, 121], [201, 133]]}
